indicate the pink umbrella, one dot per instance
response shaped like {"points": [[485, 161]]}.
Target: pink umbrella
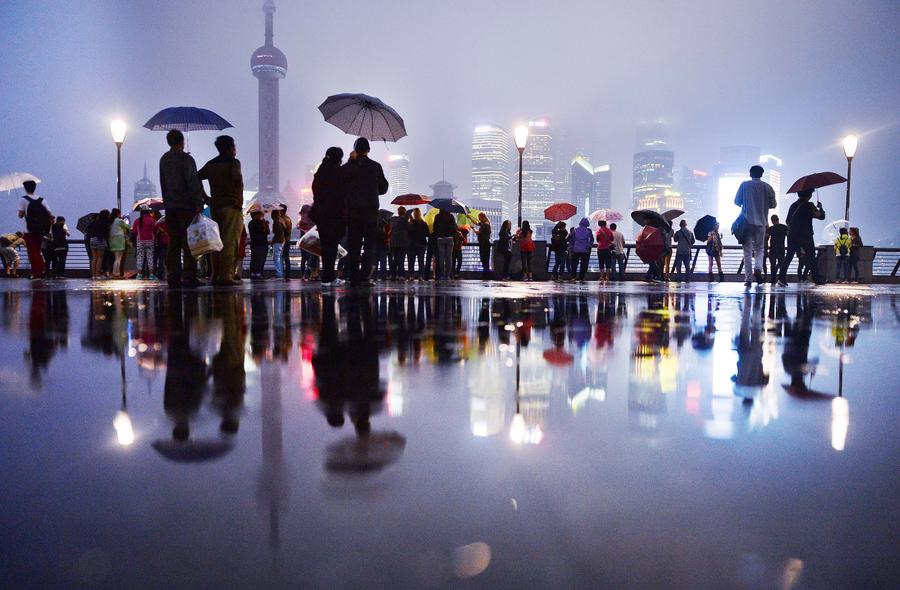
{"points": [[605, 215]]}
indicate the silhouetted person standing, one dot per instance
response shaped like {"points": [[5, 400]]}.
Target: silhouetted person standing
{"points": [[226, 190], [777, 236], [365, 183], [182, 195], [755, 198], [329, 209], [801, 237]]}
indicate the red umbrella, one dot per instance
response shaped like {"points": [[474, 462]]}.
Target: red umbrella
{"points": [[411, 199], [558, 357], [817, 180], [560, 211], [649, 244]]}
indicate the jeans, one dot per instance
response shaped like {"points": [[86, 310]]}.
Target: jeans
{"points": [[580, 259], [854, 268], [382, 258], [362, 230], [526, 262], [278, 259], [58, 262], [329, 237], [230, 222], [807, 246], [444, 251], [484, 251], [144, 255], [286, 259], [416, 254], [258, 253], [683, 258], [160, 252], [620, 262], [754, 250], [776, 259], [457, 261], [559, 261], [398, 258], [177, 221], [429, 258], [507, 259], [843, 268]]}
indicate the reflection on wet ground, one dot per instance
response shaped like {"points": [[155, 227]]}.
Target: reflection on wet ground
{"points": [[415, 438]]}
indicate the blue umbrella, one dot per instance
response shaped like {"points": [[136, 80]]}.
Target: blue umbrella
{"points": [[451, 205], [186, 119], [364, 116]]}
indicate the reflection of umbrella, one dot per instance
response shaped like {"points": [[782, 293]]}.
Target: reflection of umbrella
{"points": [[672, 214], [411, 199], [191, 451], [85, 220], [153, 204], [558, 357], [14, 180], [649, 217], [817, 180], [451, 205], [649, 244], [369, 453], [364, 116], [605, 215], [560, 212], [186, 119], [704, 225]]}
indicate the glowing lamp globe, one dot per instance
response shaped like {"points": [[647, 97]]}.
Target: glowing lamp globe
{"points": [[850, 144], [521, 134], [118, 128]]}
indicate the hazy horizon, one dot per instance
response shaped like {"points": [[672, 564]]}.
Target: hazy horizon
{"points": [[792, 79]]}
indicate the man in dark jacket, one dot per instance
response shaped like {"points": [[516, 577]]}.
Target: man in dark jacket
{"points": [[226, 189], [182, 195], [399, 244], [329, 209], [365, 183], [444, 235], [801, 236]]}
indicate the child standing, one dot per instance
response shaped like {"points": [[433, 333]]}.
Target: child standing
{"points": [[714, 252], [258, 230], [59, 248], [842, 246], [144, 229]]}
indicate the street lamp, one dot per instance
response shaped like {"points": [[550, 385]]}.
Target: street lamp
{"points": [[118, 130], [850, 144], [521, 133]]}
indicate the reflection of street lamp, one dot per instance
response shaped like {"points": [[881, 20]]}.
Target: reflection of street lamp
{"points": [[840, 422], [122, 421], [850, 144], [521, 133], [118, 130]]}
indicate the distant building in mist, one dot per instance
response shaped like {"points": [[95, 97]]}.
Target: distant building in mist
{"points": [[694, 186], [494, 209], [562, 168], [733, 169], [442, 190], [591, 186], [291, 198], [269, 65], [538, 189], [490, 167], [772, 166], [653, 171], [398, 175], [144, 188]]}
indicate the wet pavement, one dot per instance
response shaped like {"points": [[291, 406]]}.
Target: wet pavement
{"points": [[476, 435]]}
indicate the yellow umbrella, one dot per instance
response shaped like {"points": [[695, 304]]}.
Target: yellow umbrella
{"points": [[429, 218]]}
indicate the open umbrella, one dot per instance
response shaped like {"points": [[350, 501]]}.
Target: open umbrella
{"points": [[605, 215], [186, 119], [704, 225], [411, 200], [385, 214], [85, 220], [265, 205], [450, 205], [649, 217], [672, 214], [560, 212], [191, 451], [558, 357], [649, 244], [817, 180], [363, 116], [14, 180], [151, 203], [429, 218]]}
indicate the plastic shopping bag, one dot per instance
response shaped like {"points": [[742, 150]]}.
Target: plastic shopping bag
{"points": [[203, 236], [311, 243]]}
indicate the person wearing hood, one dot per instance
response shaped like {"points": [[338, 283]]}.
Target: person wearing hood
{"points": [[582, 242], [329, 210]]}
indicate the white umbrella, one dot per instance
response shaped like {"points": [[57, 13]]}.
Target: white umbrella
{"points": [[14, 180]]}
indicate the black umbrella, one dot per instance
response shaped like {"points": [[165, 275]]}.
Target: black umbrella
{"points": [[385, 214], [363, 116], [186, 119], [85, 221], [191, 451], [649, 217], [704, 225]]}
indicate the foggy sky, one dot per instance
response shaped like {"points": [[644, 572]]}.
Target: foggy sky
{"points": [[790, 77]]}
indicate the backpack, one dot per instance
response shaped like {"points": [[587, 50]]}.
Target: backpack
{"points": [[37, 217], [843, 248]]}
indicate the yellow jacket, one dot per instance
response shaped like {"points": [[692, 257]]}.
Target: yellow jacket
{"points": [[842, 240]]}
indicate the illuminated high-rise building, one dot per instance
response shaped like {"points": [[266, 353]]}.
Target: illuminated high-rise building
{"points": [[733, 169], [582, 182], [398, 175], [653, 168], [490, 166], [694, 186], [538, 189], [772, 174], [602, 198]]}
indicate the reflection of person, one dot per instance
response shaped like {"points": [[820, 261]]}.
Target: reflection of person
{"points": [[228, 376], [797, 336], [751, 376], [186, 372]]}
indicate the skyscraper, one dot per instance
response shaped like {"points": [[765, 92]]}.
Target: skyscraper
{"points": [[537, 177], [653, 171], [694, 184], [602, 198], [144, 188], [582, 182], [398, 175], [269, 65], [490, 166], [772, 166]]}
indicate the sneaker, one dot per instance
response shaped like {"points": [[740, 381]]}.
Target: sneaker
{"points": [[139, 277], [748, 283], [758, 277]]}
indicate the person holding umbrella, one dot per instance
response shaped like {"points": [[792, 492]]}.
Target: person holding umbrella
{"points": [[484, 244], [800, 235], [755, 198], [183, 196], [365, 183]]}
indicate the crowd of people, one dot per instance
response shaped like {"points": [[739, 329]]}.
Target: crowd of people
{"points": [[358, 243]]}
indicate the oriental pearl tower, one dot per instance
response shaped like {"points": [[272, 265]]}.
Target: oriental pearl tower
{"points": [[269, 65]]}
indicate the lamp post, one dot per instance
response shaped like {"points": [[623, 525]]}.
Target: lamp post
{"points": [[850, 144], [521, 133], [118, 130]]}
